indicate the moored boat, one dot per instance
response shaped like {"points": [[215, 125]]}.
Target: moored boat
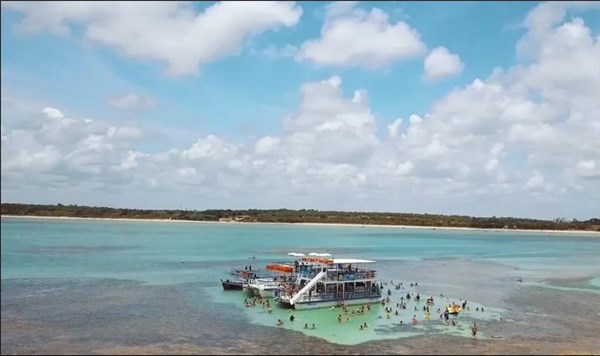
{"points": [[325, 282], [232, 285]]}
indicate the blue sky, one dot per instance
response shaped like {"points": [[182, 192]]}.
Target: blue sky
{"points": [[244, 94]]}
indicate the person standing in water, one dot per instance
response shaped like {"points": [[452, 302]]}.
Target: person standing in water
{"points": [[474, 329]]}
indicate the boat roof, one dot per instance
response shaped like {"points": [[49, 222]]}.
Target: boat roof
{"points": [[351, 260], [323, 254]]}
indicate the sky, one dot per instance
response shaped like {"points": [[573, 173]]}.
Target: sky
{"points": [[467, 108]]}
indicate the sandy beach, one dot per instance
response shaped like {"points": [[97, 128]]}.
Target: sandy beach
{"points": [[561, 232]]}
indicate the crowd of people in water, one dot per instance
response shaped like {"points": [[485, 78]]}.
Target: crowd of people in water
{"points": [[347, 312]]}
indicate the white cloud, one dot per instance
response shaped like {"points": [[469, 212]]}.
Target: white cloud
{"points": [[266, 145], [211, 147], [131, 101], [53, 113], [132, 159], [535, 181], [441, 64], [170, 32], [35, 160], [325, 117], [394, 128], [353, 37], [186, 172], [587, 169]]}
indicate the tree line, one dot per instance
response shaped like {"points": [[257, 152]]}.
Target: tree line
{"points": [[300, 216]]}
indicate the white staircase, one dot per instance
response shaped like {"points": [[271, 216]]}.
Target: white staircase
{"points": [[308, 286]]}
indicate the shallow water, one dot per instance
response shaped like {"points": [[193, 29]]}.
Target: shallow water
{"points": [[112, 285]]}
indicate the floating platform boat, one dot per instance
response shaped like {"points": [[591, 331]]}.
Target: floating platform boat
{"points": [[323, 281]]}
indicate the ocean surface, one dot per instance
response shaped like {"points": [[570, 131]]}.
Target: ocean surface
{"points": [[97, 286]]}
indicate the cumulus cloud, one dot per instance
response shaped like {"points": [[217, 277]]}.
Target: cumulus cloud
{"points": [[354, 37], [131, 101], [517, 138], [440, 64], [324, 117], [55, 145], [266, 145], [170, 32]]}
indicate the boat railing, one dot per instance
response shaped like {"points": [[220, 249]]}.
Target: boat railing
{"points": [[341, 297], [337, 275], [340, 275]]}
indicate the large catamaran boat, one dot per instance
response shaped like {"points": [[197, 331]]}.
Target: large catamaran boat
{"points": [[324, 282]]}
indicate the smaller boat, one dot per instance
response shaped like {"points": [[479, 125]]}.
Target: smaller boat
{"points": [[232, 285]]}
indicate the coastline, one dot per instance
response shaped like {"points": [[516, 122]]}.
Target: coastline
{"points": [[555, 232]]}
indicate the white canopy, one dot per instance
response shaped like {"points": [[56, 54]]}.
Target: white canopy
{"points": [[324, 254], [296, 254], [351, 260]]}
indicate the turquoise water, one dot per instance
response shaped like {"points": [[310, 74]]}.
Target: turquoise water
{"points": [[479, 266]]}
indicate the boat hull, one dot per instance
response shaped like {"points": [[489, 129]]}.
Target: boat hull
{"points": [[266, 293], [231, 285], [249, 291], [328, 303]]}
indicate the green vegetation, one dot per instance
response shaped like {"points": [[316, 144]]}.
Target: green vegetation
{"points": [[300, 216]]}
